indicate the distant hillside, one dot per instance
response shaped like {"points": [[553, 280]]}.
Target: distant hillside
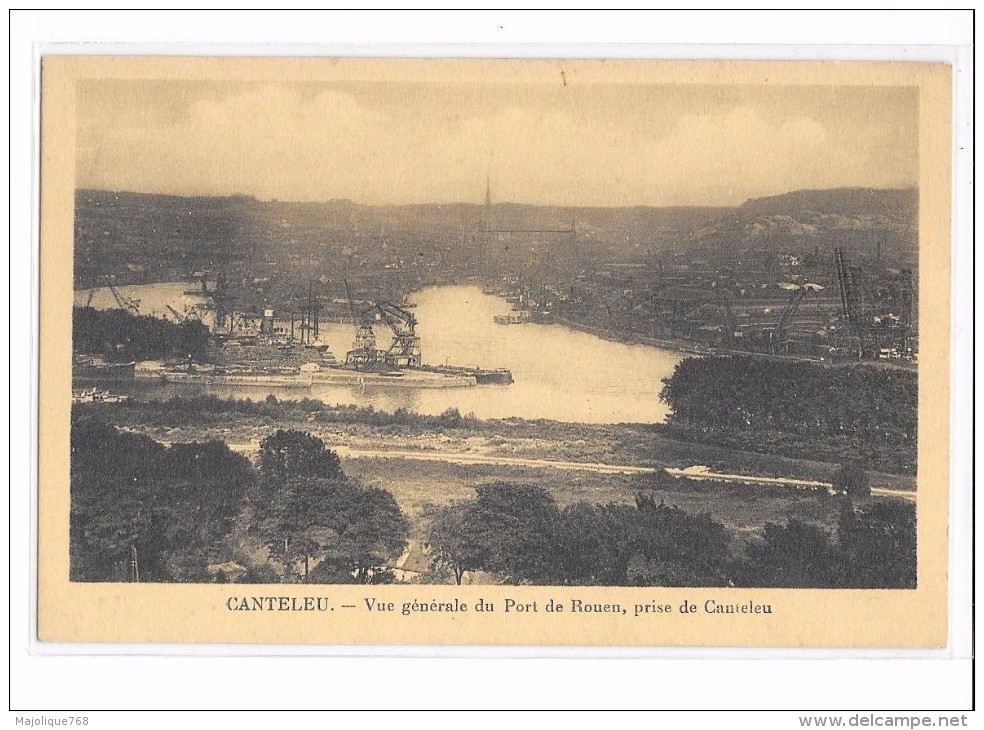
{"points": [[140, 237], [149, 237], [888, 202], [153, 237], [861, 220]]}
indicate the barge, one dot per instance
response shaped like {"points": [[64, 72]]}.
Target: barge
{"points": [[500, 376], [267, 380]]}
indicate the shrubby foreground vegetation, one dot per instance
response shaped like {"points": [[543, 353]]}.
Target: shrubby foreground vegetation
{"points": [[519, 533], [202, 513], [199, 512]]}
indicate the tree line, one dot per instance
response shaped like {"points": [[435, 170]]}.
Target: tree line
{"points": [[203, 409], [865, 414], [198, 512], [520, 535], [118, 335]]}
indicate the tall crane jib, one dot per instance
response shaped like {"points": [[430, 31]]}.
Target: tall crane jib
{"points": [[897, 313], [788, 312], [879, 313], [404, 350], [363, 350], [124, 302], [851, 281], [222, 301], [905, 297]]}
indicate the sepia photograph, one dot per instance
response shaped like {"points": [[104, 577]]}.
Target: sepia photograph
{"points": [[428, 327]]}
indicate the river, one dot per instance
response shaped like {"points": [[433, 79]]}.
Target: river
{"points": [[560, 373]]}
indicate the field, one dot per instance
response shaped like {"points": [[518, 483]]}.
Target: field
{"points": [[422, 463], [743, 509], [243, 425]]}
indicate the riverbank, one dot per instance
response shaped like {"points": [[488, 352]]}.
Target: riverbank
{"points": [[625, 338], [632, 446], [686, 347]]}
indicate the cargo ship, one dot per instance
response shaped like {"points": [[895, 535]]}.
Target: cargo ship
{"points": [[251, 362], [332, 375], [403, 356], [399, 378], [267, 380]]}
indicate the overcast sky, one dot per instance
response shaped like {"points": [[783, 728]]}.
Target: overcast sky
{"points": [[385, 143]]}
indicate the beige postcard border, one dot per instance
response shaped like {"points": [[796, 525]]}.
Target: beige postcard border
{"points": [[174, 613]]}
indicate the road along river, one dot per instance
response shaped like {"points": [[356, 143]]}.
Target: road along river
{"points": [[699, 473]]}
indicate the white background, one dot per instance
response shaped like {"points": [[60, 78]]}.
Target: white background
{"points": [[463, 679]]}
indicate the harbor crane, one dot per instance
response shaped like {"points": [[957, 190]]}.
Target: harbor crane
{"points": [[851, 281], [879, 316], [179, 318], [779, 341], [404, 349], [363, 350], [124, 302], [191, 314], [797, 293]]}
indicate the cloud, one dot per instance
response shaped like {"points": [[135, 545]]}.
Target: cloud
{"points": [[277, 141], [705, 156]]}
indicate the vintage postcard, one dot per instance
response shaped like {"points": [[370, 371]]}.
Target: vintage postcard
{"points": [[494, 352]]}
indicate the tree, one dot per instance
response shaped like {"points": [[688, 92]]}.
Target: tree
{"points": [[518, 532], [295, 454], [121, 535], [450, 418], [99, 450], [347, 531], [373, 531], [510, 529], [517, 526], [867, 413], [143, 512], [879, 545], [294, 524], [452, 544], [117, 334], [597, 543], [795, 555], [117, 515], [211, 482], [674, 548], [851, 479]]}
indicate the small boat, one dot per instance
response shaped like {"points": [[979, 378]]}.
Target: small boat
{"points": [[92, 395], [519, 318]]}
